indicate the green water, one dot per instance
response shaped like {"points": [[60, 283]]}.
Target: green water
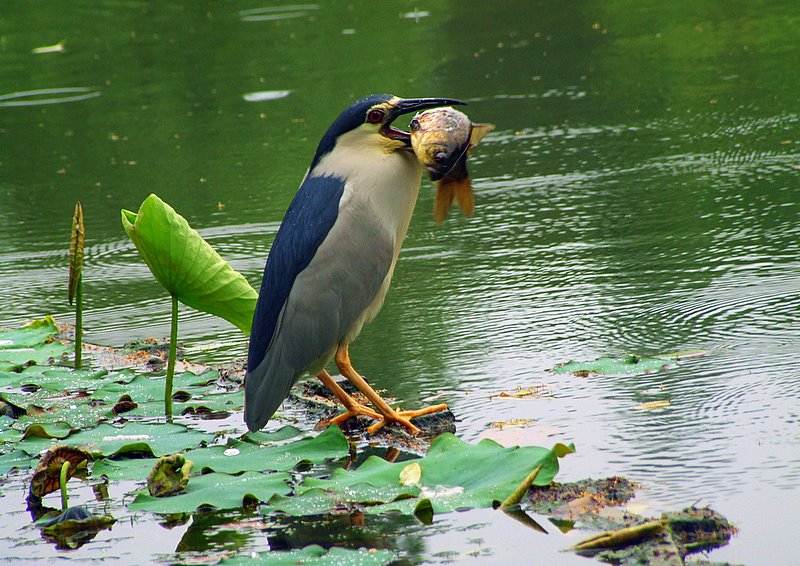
{"points": [[641, 193]]}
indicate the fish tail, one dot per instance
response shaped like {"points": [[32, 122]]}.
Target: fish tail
{"points": [[444, 200], [464, 196]]}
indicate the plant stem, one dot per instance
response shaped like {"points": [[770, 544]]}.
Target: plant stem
{"points": [[63, 483], [78, 322], [173, 352]]}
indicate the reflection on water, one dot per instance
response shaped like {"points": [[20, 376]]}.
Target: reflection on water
{"points": [[639, 195]]}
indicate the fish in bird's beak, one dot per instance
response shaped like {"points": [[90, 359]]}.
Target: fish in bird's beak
{"points": [[442, 139], [406, 106]]}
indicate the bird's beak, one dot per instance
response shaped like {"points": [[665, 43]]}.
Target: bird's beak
{"points": [[408, 105]]}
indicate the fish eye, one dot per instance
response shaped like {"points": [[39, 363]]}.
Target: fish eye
{"points": [[375, 116]]}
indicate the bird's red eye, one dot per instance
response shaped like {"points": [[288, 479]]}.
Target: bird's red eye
{"points": [[375, 117]]}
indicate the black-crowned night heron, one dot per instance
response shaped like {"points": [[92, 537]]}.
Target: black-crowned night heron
{"points": [[332, 260]]}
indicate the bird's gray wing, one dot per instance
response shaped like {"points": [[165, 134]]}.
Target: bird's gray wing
{"points": [[325, 298]]}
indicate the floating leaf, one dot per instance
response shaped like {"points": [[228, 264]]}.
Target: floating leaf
{"points": [[18, 459], [187, 266], [653, 405], [614, 366], [151, 439], [221, 491], [330, 444], [454, 475], [316, 555], [34, 333]]}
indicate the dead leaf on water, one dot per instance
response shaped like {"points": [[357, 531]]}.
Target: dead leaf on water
{"points": [[534, 392], [512, 423], [653, 405]]}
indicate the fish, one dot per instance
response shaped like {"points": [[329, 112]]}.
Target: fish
{"points": [[442, 139]]}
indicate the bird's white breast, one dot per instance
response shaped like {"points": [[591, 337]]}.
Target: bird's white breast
{"points": [[385, 185]]}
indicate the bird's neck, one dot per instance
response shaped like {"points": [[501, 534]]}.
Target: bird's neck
{"points": [[387, 183]]}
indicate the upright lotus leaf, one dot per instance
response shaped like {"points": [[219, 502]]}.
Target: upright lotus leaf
{"points": [[187, 266], [74, 290]]}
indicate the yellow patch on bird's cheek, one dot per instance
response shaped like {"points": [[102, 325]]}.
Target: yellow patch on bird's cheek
{"points": [[390, 145]]}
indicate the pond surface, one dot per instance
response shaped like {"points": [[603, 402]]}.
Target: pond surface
{"points": [[641, 193]]}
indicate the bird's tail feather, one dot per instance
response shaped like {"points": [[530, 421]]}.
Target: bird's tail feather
{"points": [[265, 388]]}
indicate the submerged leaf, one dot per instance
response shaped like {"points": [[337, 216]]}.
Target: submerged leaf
{"points": [[187, 266]]}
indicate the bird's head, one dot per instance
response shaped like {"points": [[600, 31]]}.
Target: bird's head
{"points": [[367, 124]]}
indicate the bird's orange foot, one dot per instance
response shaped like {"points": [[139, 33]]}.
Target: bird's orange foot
{"points": [[355, 410], [404, 418]]}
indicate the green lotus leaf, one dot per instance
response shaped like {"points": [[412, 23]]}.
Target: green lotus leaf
{"points": [[454, 475], [221, 491], [244, 456], [32, 334], [187, 266], [18, 459], [134, 438], [614, 366], [316, 555]]}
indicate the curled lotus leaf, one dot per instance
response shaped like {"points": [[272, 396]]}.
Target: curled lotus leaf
{"points": [[47, 475], [169, 475]]}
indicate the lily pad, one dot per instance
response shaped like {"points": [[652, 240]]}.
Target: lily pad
{"points": [[243, 456], [35, 333], [453, 475], [221, 491], [187, 266], [614, 366], [152, 439], [315, 554], [29, 344], [18, 459]]}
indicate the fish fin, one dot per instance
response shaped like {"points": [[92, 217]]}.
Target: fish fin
{"points": [[464, 196], [477, 133], [444, 199]]}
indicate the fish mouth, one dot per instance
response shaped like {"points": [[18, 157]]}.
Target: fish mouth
{"points": [[408, 105]]}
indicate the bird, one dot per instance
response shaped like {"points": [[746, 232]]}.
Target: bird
{"points": [[332, 259]]}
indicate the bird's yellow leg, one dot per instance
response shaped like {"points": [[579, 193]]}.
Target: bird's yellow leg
{"points": [[352, 407], [388, 414]]}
